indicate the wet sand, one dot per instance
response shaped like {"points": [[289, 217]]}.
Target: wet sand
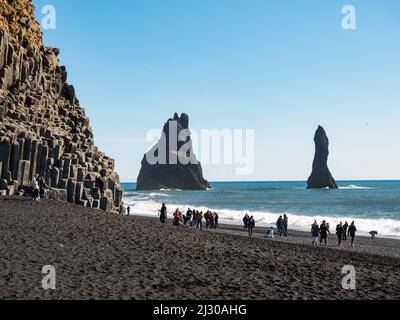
{"points": [[104, 256]]}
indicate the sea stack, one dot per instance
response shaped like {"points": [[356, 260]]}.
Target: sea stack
{"points": [[162, 167], [321, 177], [43, 129]]}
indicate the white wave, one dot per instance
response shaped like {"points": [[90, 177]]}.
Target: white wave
{"points": [[155, 194], [388, 228], [353, 187]]}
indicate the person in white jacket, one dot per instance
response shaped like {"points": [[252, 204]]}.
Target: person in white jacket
{"points": [[35, 189]]}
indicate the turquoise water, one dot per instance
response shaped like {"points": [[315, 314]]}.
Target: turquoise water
{"points": [[374, 205]]}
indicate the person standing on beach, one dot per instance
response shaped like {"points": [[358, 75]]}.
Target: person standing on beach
{"points": [[35, 189], [352, 233], [199, 224], [285, 225], [246, 222], [323, 231], [251, 225], [42, 188], [339, 232], [315, 233], [345, 228], [163, 213], [280, 225], [216, 217], [129, 211]]}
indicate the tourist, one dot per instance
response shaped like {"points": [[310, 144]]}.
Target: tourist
{"points": [[199, 224], [339, 232], [246, 222], [352, 233], [285, 225], [163, 213], [42, 188], [129, 211], [315, 233], [188, 217], [280, 225], [35, 189], [211, 218], [216, 218], [251, 225], [269, 233], [373, 234], [194, 219], [345, 228], [207, 217], [324, 230], [178, 218]]}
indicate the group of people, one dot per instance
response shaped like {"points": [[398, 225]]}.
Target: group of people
{"points": [[282, 225], [38, 188], [192, 218], [320, 233], [249, 224]]}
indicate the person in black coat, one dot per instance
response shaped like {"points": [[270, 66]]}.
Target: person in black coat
{"points": [[345, 229], [323, 231], [251, 225], [352, 233], [339, 232]]}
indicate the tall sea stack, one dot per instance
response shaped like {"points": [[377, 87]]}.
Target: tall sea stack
{"points": [[169, 172], [43, 129], [321, 177]]}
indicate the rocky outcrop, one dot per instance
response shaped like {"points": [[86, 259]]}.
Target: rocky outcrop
{"points": [[170, 172], [321, 177], [43, 129]]}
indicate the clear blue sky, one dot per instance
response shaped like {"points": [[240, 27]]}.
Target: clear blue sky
{"points": [[278, 67]]}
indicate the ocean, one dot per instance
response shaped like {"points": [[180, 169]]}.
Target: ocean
{"points": [[373, 205]]}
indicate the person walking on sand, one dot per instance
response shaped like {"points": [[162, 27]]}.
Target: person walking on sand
{"points": [[251, 225], [285, 225], [199, 224], [129, 211], [280, 225], [216, 218], [323, 231], [315, 233], [345, 229], [163, 213], [352, 233], [339, 232], [246, 222]]}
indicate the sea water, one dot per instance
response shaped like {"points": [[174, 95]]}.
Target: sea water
{"points": [[373, 205]]}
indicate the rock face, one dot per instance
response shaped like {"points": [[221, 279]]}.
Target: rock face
{"points": [[321, 177], [170, 172], [43, 129]]}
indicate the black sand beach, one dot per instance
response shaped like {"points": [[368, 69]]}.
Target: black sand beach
{"points": [[104, 256]]}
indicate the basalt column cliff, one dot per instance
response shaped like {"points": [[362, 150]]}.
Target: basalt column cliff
{"points": [[321, 177], [43, 129], [170, 172]]}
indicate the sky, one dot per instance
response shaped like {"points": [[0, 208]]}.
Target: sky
{"points": [[280, 68]]}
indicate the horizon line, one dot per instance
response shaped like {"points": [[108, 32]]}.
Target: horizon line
{"points": [[346, 180]]}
